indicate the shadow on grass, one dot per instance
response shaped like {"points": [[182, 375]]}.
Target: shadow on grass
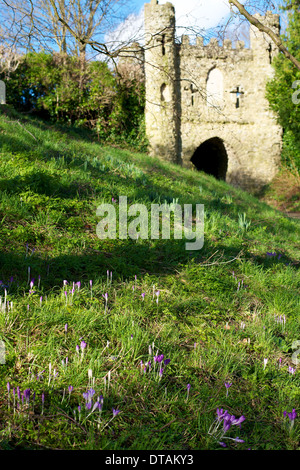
{"points": [[125, 259]]}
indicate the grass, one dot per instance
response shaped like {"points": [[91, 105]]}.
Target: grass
{"points": [[220, 312], [284, 192]]}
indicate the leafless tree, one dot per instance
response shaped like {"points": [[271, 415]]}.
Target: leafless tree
{"points": [[67, 25], [79, 24]]}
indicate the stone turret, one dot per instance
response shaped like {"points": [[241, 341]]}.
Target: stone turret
{"points": [[162, 114], [261, 44]]}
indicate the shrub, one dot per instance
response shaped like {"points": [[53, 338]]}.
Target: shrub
{"points": [[60, 88]]}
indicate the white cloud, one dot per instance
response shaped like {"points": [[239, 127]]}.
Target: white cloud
{"points": [[200, 13], [132, 29], [190, 14]]}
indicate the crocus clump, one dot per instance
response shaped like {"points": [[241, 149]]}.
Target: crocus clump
{"points": [[222, 424]]}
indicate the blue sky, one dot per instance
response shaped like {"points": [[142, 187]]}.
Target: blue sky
{"points": [[189, 13], [198, 14], [206, 13]]}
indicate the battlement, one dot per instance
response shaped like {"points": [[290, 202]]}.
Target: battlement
{"points": [[214, 48], [213, 43]]}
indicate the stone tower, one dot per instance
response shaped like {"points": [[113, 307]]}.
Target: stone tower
{"points": [[161, 68], [206, 105]]}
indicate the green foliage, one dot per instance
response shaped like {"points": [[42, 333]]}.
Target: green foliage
{"points": [[62, 88], [281, 89]]}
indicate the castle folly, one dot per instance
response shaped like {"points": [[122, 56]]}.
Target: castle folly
{"points": [[206, 105]]}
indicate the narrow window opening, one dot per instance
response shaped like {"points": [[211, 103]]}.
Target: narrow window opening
{"points": [[238, 92], [163, 40], [270, 50], [165, 95], [192, 95]]}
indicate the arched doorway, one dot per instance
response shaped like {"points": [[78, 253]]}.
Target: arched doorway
{"points": [[211, 157]]}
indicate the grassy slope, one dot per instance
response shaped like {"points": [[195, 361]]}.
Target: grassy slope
{"points": [[51, 182]]}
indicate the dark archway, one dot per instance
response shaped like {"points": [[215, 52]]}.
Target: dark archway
{"points": [[211, 157]]}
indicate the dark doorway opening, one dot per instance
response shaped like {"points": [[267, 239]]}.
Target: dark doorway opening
{"points": [[211, 157]]}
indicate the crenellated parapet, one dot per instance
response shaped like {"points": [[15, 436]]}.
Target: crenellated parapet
{"points": [[213, 49]]}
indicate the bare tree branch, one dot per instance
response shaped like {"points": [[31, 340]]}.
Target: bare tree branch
{"points": [[265, 29]]}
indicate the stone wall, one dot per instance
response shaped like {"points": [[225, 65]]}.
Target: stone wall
{"points": [[199, 92]]}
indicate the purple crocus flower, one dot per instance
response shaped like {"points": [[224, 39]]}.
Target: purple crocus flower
{"points": [[70, 388], [239, 421], [227, 423], [237, 439], [221, 414], [227, 385], [158, 358], [222, 444], [96, 405], [27, 394], [100, 406], [115, 412], [82, 345], [167, 361], [292, 415]]}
